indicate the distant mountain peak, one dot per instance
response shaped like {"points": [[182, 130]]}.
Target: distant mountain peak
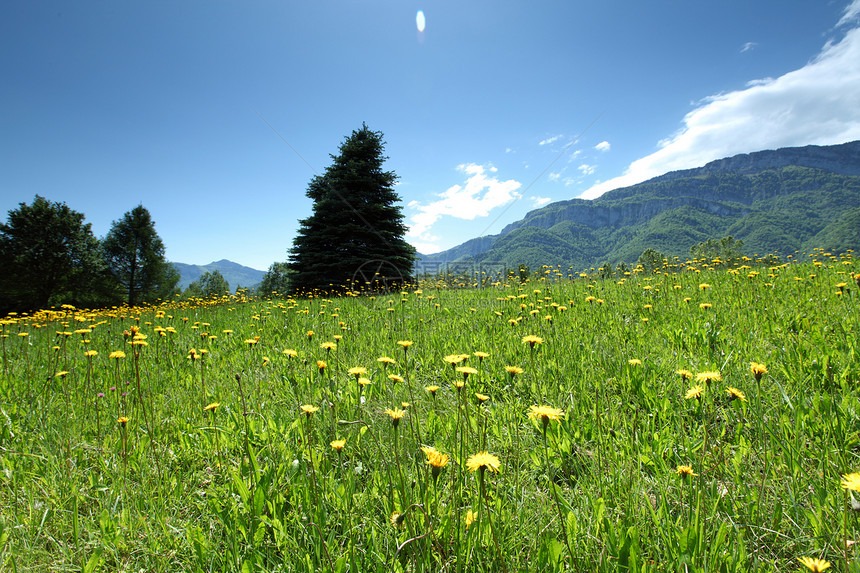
{"points": [[233, 273]]}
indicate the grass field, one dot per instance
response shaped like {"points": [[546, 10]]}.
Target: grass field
{"points": [[689, 420]]}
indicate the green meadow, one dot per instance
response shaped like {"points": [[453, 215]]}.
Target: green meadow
{"points": [[699, 418]]}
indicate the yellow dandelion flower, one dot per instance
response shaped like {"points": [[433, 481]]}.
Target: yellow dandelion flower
{"points": [[513, 370], [634, 362], [362, 382], [428, 450], [482, 461], [386, 360], [211, 406], [122, 421], [758, 370], [436, 460], [471, 516], [290, 353], [396, 415], [454, 359], [851, 481], [466, 370], [480, 355], [61, 374], [481, 397], [545, 413], [397, 519], [684, 374], [432, 389], [684, 471], [395, 378], [309, 410], [708, 377], [405, 343], [814, 564], [532, 340], [328, 346], [735, 394], [89, 353], [338, 445], [321, 366], [705, 305], [357, 371], [117, 354], [695, 393]]}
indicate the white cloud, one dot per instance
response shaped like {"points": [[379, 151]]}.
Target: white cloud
{"points": [[814, 105], [748, 46], [602, 146], [476, 198], [426, 248], [549, 140], [587, 169], [554, 176], [539, 201], [852, 13]]}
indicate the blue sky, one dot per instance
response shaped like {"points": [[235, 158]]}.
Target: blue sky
{"points": [[215, 115]]}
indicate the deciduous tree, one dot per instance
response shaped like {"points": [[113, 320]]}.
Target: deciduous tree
{"points": [[276, 280], [48, 256], [134, 254]]}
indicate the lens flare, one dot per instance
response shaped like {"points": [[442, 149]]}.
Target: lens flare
{"points": [[419, 20]]}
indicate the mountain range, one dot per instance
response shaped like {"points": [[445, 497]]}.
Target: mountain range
{"points": [[234, 273], [775, 201]]}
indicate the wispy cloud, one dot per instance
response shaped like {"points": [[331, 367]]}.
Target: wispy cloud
{"points": [[539, 201], [851, 15], [603, 146], [748, 46], [481, 193], [550, 140], [813, 105], [587, 169]]}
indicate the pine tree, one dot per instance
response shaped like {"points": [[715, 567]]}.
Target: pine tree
{"points": [[354, 238], [134, 254]]}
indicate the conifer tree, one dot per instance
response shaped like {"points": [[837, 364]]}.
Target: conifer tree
{"points": [[356, 229]]}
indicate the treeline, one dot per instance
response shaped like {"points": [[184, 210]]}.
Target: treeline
{"points": [[49, 257]]}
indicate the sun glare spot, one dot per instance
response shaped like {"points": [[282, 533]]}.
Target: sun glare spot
{"points": [[419, 20]]}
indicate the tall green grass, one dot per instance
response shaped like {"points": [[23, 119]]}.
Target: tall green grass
{"points": [[260, 480]]}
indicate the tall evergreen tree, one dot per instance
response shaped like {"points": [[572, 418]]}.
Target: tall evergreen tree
{"points": [[356, 229], [48, 256], [134, 254]]}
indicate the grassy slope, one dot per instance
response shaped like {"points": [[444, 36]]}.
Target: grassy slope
{"points": [[255, 485]]}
